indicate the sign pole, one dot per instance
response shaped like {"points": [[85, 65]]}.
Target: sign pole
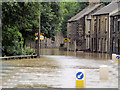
{"points": [[40, 47], [38, 55], [68, 46]]}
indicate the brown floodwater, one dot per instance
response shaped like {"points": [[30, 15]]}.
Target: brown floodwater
{"points": [[79, 54], [57, 69]]}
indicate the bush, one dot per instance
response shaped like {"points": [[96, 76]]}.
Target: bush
{"points": [[28, 51]]}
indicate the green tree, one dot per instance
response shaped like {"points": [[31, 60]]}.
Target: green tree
{"points": [[19, 21], [50, 18], [68, 10]]}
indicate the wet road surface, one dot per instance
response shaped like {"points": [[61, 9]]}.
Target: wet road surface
{"points": [[57, 69]]}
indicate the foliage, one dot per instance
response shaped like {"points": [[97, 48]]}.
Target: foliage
{"points": [[105, 3], [69, 10], [28, 51], [50, 18], [20, 21], [13, 41]]}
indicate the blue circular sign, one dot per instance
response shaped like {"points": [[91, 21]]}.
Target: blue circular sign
{"points": [[117, 57], [79, 75]]}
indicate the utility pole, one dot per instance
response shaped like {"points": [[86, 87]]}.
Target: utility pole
{"points": [[38, 55]]}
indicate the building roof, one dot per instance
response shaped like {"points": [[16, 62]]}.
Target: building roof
{"points": [[77, 15], [84, 12], [116, 14], [108, 8]]}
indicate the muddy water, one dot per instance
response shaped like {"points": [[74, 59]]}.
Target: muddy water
{"points": [[95, 56], [57, 69]]}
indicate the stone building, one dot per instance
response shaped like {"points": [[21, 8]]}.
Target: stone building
{"points": [[115, 33], [77, 28], [88, 24], [100, 30]]}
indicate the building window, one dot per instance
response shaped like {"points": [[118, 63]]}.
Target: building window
{"points": [[119, 17], [118, 46], [106, 45], [89, 26], [88, 42], [95, 25], [99, 25], [106, 25], [99, 44], [113, 45], [114, 24], [118, 25]]}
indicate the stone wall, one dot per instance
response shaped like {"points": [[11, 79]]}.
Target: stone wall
{"points": [[80, 34], [71, 32], [76, 33]]}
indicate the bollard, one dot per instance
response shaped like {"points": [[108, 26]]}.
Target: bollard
{"points": [[113, 56], [80, 79], [104, 72], [117, 58]]}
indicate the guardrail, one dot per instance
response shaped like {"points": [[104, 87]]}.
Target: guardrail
{"points": [[18, 57]]}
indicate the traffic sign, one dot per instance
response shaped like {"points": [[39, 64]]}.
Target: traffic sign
{"points": [[117, 58], [36, 38], [36, 34], [80, 79], [79, 75], [66, 39], [41, 37]]}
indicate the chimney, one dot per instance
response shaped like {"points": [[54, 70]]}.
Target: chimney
{"points": [[93, 2]]}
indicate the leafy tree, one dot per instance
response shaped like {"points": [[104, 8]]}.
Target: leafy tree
{"points": [[50, 18], [68, 10], [19, 21]]}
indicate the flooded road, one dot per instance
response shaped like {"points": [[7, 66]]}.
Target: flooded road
{"points": [[57, 69]]}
